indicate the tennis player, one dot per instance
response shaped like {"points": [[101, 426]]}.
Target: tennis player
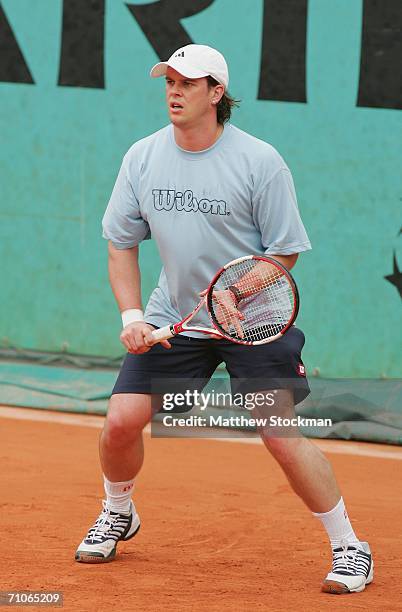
{"points": [[207, 192]]}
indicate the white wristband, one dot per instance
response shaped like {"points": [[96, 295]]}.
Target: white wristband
{"points": [[131, 315]]}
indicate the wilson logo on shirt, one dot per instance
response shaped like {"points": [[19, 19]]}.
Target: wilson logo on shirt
{"points": [[168, 199]]}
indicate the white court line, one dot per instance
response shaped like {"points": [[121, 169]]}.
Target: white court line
{"points": [[339, 447], [48, 416]]}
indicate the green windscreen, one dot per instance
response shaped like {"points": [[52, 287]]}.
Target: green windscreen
{"points": [[319, 80]]}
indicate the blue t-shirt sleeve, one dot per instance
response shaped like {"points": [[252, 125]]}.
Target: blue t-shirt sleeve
{"points": [[277, 217], [122, 223]]}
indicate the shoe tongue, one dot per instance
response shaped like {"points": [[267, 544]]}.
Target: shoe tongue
{"points": [[336, 550]]}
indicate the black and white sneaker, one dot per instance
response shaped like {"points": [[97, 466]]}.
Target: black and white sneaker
{"points": [[352, 569], [100, 543]]}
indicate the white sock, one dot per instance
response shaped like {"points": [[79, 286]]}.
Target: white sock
{"points": [[337, 525], [118, 495]]}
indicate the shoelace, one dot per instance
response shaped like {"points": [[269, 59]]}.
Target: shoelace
{"points": [[349, 560], [104, 523]]}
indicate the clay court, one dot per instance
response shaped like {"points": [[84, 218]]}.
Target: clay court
{"points": [[221, 529]]}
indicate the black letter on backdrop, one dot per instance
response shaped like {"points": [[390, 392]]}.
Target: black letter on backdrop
{"points": [[283, 51], [380, 83], [13, 68], [82, 47], [160, 22]]}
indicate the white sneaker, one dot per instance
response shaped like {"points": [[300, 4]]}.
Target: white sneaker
{"points": [[352, 569], [100, 543]]}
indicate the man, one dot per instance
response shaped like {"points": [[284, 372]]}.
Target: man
{"points": [[208, 193]]}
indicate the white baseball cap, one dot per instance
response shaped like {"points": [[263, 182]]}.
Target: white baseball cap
{"points": [[195, 62]]}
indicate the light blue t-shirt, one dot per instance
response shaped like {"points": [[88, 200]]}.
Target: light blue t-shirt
{"points": [[203, 209]]}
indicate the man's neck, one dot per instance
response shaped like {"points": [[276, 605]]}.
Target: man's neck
{"points": [[197, 139]]}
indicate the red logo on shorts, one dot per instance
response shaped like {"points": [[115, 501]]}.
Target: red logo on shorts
{"points": [[301, 370]]}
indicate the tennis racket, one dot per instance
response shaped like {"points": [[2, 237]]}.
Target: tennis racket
{"points": [[251, 300]]}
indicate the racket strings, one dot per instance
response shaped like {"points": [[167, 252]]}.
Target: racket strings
{"points": [[266, 300]]}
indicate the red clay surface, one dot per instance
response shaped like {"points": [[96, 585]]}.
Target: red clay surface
{"points": [[221, 528]]}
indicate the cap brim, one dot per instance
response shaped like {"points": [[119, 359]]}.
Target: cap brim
{"points": [[160, 70]]}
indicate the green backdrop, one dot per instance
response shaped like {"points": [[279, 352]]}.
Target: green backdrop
{"points": [[61, 147]]}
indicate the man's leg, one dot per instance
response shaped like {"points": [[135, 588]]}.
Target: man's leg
{"points": [[308, 470], [121, 447], [311, 476], [121, 453]]}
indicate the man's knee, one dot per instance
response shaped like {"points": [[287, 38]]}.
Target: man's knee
{"points": [[285, 450], [125, 420]]}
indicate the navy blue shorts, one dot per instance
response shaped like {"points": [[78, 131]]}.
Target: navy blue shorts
{"points": [[276, 365]]}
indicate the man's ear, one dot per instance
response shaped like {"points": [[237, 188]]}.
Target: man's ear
{"points": [[218, 93]]}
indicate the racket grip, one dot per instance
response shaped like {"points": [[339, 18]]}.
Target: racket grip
{"points": [[164, 333]]}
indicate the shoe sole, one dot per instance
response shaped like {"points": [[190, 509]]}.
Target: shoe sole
{"points": [[335, 588], [338, 588], [85, 557]]}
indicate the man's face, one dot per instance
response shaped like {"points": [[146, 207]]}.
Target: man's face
{"points": [[189, 100]]}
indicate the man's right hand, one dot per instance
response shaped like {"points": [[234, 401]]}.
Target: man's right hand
{"points": [[137, 338]]}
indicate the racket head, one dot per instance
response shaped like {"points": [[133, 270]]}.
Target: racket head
{"points": [[270, 306]]}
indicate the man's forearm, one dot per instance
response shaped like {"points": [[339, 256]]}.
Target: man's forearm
{"points": [[260, 276], [125, 278]]}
